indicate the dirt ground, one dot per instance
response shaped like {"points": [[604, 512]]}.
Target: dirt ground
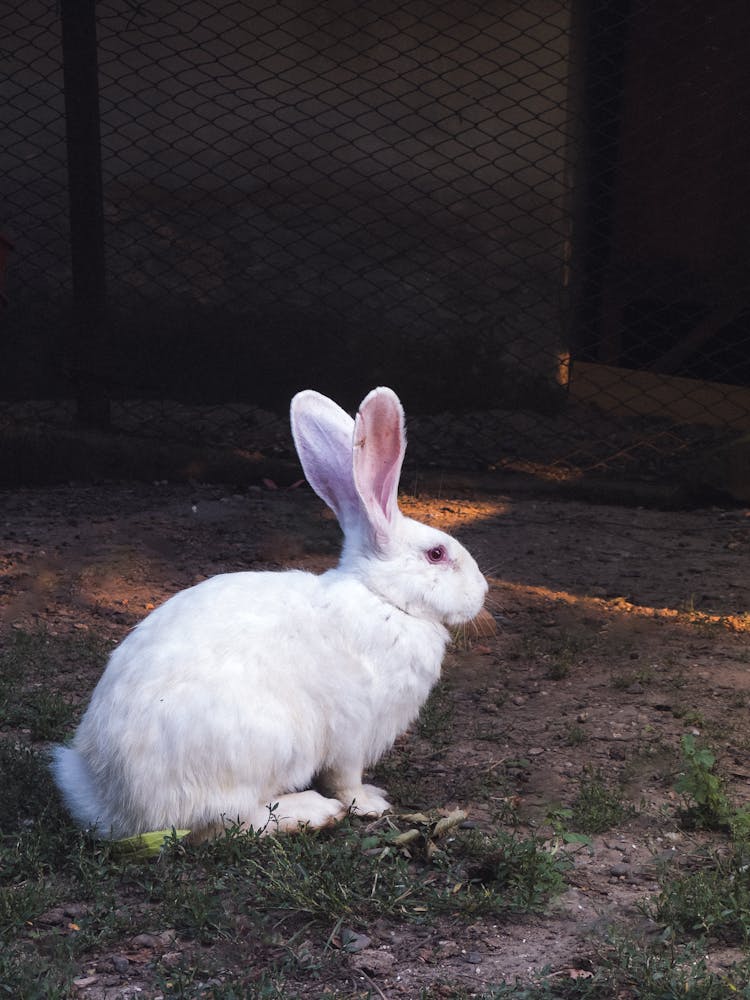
{"points": [[618, 630]]}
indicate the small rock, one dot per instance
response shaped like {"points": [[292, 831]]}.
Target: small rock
{"points": [[634, 688], [51, 918], [665, 857], [375, 962], [146, 941], [353, 942], [447, 949], [620, 869], [120, 963]]}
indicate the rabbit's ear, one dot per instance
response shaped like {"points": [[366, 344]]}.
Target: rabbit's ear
{"points": [[323, 435], [379, 447]]}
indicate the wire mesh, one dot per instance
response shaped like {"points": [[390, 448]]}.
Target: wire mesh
{"points": [[528, 217], [35, 218]]}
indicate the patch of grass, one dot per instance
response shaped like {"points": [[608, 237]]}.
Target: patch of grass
{"points": [[627, 969], [42, 654], [713, 901], [557, 651], [191, 982], [575, 735], [665, 970], [353, 876], [26, 786], [690, 717], [360, 874], [28, 660], [516, 870], [598, 806], [490, 783], [287, 893], [559, 668], [34, 976], [45, 714], [238, 885]]}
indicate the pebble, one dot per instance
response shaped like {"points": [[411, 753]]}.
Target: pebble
{"points": [[374, 961], [620, 869], [154, 940]]}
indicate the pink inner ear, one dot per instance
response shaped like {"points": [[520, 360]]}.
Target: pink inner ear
{"points": [[379, 446], [323, 437]]}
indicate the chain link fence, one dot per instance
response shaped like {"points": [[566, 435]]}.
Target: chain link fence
{"points": [[530, 218]]}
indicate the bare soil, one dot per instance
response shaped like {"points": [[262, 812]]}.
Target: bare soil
{"points": [[618, 630]]}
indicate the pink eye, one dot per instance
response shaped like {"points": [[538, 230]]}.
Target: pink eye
{"points": [[437, 554]]}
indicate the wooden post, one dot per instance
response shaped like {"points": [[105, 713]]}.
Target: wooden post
{"points": [[597, 70], [80, 75]]}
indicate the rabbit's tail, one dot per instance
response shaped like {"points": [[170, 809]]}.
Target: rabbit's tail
{"points": [[76, 784]]}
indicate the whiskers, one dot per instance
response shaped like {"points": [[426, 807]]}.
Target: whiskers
{"points": [[481, 627]]}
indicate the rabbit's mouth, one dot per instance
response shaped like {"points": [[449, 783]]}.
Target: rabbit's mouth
{"points": [[481, 626]]}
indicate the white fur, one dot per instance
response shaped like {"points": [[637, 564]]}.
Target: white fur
{"points": [[233, 698]]}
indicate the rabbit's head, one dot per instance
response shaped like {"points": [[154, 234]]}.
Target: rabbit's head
{"points": [[354, 465]]}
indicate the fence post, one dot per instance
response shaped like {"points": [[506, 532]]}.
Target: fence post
{"points": [[598, 52], [80, 76]]}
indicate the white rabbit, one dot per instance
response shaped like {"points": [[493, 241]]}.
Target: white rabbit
{"points": [[262, 696]]}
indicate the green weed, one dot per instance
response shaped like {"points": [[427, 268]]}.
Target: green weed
{"points": [[575, 735], [713, 901], [707, 805], [598, 806], [516, 874]]}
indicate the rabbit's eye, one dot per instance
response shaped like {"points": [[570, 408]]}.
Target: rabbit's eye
{"points": [[437, 554]]}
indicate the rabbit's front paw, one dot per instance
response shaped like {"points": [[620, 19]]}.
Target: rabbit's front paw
{"points": [[365, 800], [298, 809]]}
